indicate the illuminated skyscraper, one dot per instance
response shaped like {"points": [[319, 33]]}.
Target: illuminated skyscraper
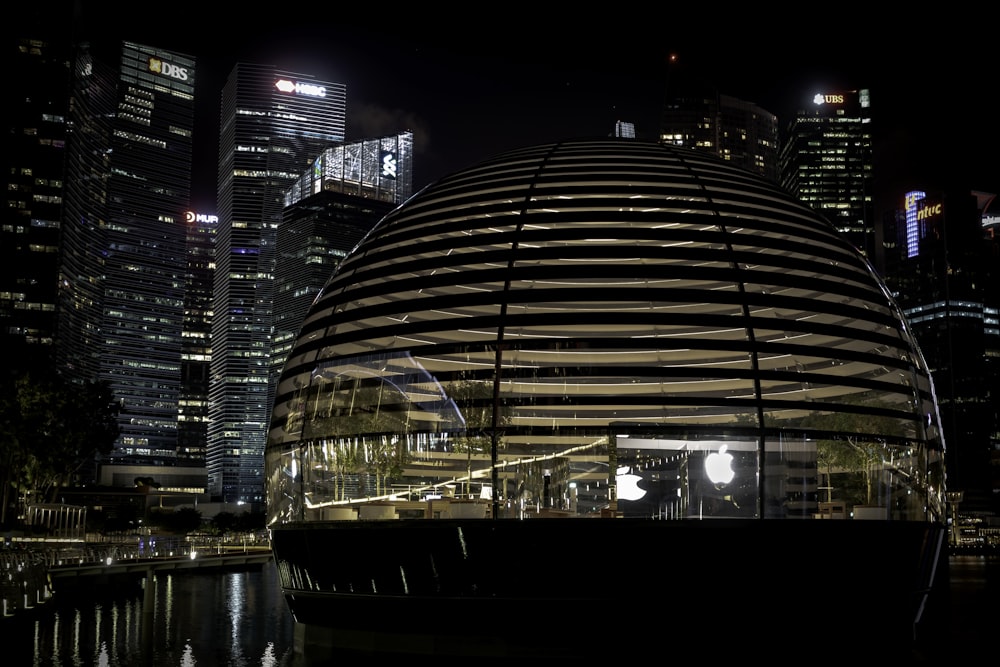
{"points": [[696, 115], [827, 162], [122, 273], [274, 125], [625, 129], [349, 188], [941, 267], [33, 152], [196, 348]]}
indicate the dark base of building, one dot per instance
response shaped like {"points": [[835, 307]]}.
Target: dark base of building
{"points": [[609, 588]]}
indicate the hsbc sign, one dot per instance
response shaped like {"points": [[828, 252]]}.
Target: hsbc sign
{"points": [[299, 88], [164, 68]]}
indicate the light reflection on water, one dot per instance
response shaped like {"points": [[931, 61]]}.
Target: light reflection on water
{"points": [[229, 619], [239, 619]]}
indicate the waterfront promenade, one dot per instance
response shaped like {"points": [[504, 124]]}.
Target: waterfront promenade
{"points": [[32, 572], [192, 609]]}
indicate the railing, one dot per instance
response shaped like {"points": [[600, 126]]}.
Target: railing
{"points": [[29, 577]]}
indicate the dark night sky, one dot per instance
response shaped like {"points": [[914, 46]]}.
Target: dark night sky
{"points": [[478, 82]]}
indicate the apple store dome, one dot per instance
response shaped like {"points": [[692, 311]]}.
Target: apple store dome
{"points": [[626, 334]]}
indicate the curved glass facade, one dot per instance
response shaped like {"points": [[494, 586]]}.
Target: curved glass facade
{"points": [[584, 329]]}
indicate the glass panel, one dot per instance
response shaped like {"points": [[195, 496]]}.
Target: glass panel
{"points": [[686, 478], [845, 476]]}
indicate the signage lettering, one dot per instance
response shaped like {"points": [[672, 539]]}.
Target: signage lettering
{"points": [[168, 69], [299, 88], [827, 98], [928, 211], [191, 216]]}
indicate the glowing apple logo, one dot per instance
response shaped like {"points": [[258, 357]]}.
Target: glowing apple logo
{"points": [[719, 466], [628, 485]]}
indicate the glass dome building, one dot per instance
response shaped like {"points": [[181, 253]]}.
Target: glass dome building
{"points": [[593, 375]]}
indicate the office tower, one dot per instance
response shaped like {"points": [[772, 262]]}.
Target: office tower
{"points": [[122, 274], [332, 206], [696, 115], [941, 267], [37, 107], [624, 129], [274, 125], [196, 338], [827, 162]]}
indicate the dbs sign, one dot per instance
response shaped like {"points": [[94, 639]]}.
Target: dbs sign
{"points": [[164, 68]]}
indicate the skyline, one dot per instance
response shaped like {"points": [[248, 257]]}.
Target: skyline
{"points": [[472, 91]]}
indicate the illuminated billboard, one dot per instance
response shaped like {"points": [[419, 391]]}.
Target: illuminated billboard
{"points": [[203, 218], [300, 88]]}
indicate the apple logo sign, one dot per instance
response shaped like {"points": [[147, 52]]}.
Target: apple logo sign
{"points": [[719, 466], [628, 484]]}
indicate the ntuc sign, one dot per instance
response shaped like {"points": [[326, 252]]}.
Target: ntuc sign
{"points": [[929, 211], [164, 68], [828, 98], [911, 199], [300, 88]]}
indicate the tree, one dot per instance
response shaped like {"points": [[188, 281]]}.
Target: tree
{"points": [[346, 460], [180, 521], [358, 416], [146, 482], [385, 458], [185, 520], [224, 522], [475, 401], [50, 428], [341, 455], [14, 452], [860, 446]]}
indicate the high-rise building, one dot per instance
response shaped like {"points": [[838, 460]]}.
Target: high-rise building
{"points": [[196, 345], [624, 129], [332, 206], [827, 162], [122, 271], [696, 115], [274, 125], [37, 107], [941, 267]]}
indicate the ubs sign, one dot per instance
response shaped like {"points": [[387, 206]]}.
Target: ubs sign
{"points": [[828, 98], [170, 70]]}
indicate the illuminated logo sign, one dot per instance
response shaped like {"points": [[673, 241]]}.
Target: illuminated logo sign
{"points": [[168, 69], [388, 161], [912, 198], [929, 211], [191, 216], [299, 88], [822, 98]]}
